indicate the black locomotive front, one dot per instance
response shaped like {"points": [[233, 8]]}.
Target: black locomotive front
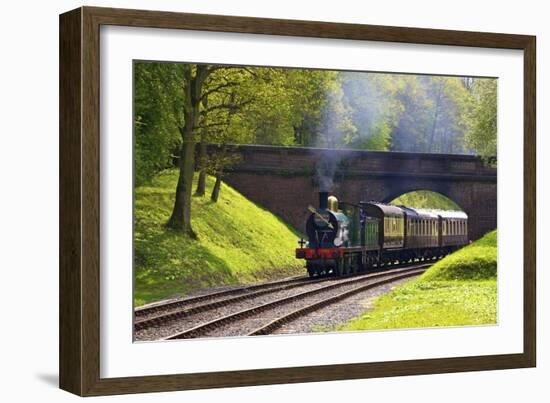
{"points": [[327, 227], [327, 230]]}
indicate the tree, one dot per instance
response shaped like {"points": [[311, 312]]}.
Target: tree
{"points": [[371, 97], [452, 101], [203, 158], [194, 76], [414, 106], [225, 94], [336, 128], [482, 133], [431, 114]]}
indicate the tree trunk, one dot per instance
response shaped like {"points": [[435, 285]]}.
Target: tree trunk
{"points": [[201, 184], [181, 214], [216, 190]]}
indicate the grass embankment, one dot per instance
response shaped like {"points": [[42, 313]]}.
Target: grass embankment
{"points": [[459, 290], [238, 242], [425, 199]]}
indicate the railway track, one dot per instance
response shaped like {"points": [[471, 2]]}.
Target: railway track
{"points": [[267, 317], [184, 308], [154, 309]]}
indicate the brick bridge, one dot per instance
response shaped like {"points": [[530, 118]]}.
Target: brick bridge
{"points": [[283, 180]]}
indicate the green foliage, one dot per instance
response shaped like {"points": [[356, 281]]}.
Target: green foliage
{"points": [[432, 114], [459, 290], [482, 134], [425, 199], [237, 242], [285, 106], [372, 104], [157, 116]]}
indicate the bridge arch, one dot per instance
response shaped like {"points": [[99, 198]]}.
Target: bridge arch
{"points": [[438, 188], [424, 198]]}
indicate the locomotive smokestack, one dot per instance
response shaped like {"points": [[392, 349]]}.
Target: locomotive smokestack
{"points": [[323, 200]]}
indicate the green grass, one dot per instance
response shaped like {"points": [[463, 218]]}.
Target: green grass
{"points": [[238, 242], [426, 199], [459, 290]]}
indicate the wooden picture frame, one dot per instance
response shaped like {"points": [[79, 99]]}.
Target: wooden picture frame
{"points": [[80, 185]]}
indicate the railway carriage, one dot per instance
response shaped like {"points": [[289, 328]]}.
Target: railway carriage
{"points": [[454, 228], [345, 238]]}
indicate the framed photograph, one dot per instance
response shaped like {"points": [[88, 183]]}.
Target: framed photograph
{"points": [[249, 201]]}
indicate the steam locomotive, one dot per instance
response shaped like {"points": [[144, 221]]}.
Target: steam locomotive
{"points": [[345, 238]]}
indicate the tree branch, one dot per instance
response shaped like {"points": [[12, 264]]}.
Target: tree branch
{"points": [[219, 87]]}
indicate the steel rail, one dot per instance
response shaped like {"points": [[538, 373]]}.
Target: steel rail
{"points": [[181, 313], [174, 304]]}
